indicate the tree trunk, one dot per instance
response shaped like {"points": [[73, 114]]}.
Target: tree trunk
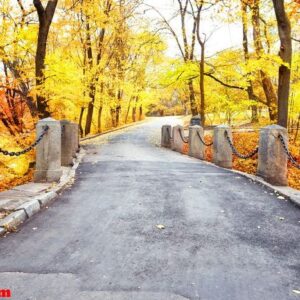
{"points": [[113, 117], [90, 112], [45, 19], [118, 112], [202, 91], [134, 114], [297, 128], [92, 87], [284, 32], [128, 109], [270, 95], [80, 121], [197, 23], [266, 80], [250, 90], [141, 113], [192, 98], [100, 119], [118, 109]]}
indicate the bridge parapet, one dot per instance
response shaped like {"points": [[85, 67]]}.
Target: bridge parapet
{"points": [[273, 153], [196, 149], [166, 136], [179, 139], [57, 148], [222, 152], [272, 159]]}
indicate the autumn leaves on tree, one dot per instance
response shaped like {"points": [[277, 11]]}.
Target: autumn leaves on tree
{"points": [[92, 62], [255, 75], [103, 63]]}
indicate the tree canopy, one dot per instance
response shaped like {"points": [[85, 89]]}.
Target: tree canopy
{"points": [[105, 63]]}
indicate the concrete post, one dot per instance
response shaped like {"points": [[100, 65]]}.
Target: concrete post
{"points": [[196, 148], [75, 137], [166, 132], [272, 160], [177, 144], [67, 143], [222, 153], [48, 152]]}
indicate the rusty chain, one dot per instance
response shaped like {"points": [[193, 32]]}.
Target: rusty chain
{"points": [[169, 133], [235, 151], [288, 153], [18, 153], [182, 137], [203, 142]]}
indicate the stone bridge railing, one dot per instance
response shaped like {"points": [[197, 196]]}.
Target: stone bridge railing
{"points": [[56, 146], [273, 153], [57, 149]]}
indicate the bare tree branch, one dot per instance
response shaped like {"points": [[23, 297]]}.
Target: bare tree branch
{"points": [[224, 83], [165, 21]]}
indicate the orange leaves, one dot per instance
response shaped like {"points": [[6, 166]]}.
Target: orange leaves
{"points": [[185, 148], [245, 143], [208, 150], [294, 173], [15, 170]]}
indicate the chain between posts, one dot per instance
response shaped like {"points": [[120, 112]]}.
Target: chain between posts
{"points": [[169, 133], [38, 140], [182, 137], [288, 153], [203, 142], [235, 151]]}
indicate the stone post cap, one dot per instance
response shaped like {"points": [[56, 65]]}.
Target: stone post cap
{"points": [[65, 122], [273, 127], [222, 126], [48, 120]]}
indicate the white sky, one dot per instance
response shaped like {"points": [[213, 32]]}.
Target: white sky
{"points": [[224, 35]]}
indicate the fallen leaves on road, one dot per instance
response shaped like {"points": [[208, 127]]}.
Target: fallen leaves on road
{"points": [[4, 214], [160, 226], [9, 228]]}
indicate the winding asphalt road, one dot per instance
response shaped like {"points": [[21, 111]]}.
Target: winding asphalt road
{"points": [[224, 239]]}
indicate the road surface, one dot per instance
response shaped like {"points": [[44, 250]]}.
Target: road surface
{"points": [[225, 238]]}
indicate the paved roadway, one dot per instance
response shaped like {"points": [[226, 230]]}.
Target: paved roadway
{"points": [[224, 236]]}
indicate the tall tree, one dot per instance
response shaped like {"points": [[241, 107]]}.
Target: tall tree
{"points": [[186, 47], [202, 42], [267, 84], [45, 15], [250, 89]]}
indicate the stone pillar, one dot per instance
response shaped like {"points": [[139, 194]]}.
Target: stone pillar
{"points": [[177, 144], [67, 143], [75, 137], [196, 147], [166, 132], [48, 152], [222, 153], [272, 160]]}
